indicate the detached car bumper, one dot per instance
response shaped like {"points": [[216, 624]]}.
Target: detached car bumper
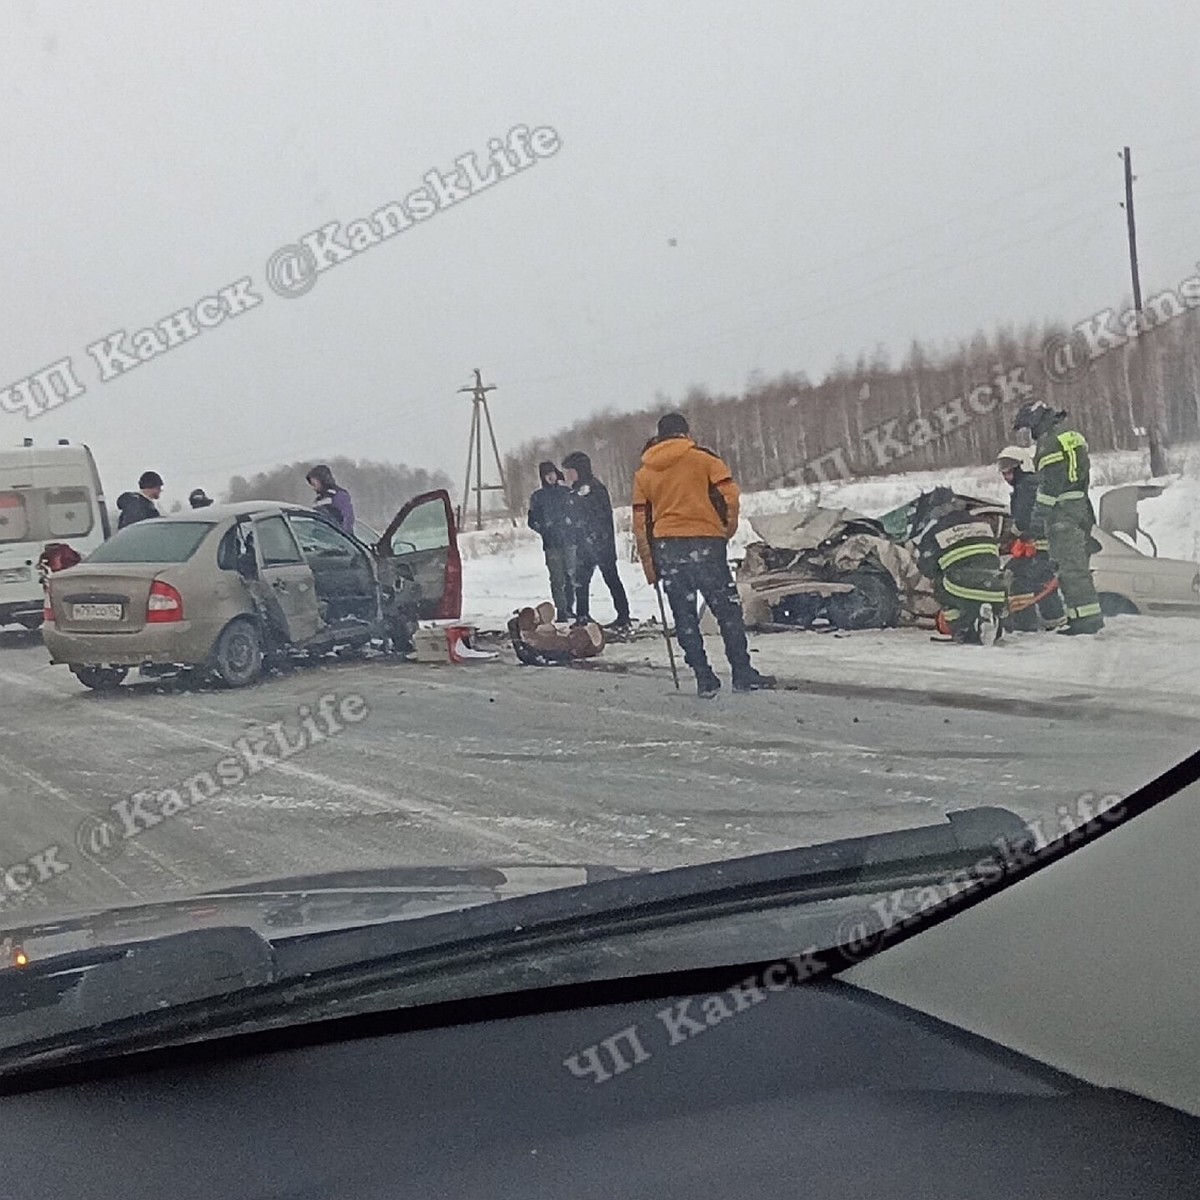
{"points": [[182, 643]]}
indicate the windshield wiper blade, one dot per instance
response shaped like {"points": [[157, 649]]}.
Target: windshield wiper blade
{"points": [[695, 893], [497, 946], [72, 994]]}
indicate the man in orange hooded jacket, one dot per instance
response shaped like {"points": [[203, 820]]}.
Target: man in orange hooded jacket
{"points": [[685, 510]]}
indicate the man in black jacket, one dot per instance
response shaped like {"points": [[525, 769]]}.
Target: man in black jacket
{"points": [[550, 516], [1029, 565], [140, 505], [595, 539]]}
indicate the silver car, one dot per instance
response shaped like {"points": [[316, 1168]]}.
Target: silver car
{"points": [[221, 590], [1128, 580]]}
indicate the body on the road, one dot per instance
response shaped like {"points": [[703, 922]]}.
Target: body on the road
{"points": [[550, 512], [685, 510], [594, 537]]}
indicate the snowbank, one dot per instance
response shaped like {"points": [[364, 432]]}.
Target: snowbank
{"points": [[1173, 520], [503, 567], [1146, 664], [496, 584]]}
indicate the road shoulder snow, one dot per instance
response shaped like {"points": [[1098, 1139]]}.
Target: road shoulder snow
{"points": [[1148, 665]]}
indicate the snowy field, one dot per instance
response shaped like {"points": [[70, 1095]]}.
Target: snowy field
{"points": [[1151, 663]]}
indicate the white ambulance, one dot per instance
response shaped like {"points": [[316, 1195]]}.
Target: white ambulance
{"points": [[48, 494]]}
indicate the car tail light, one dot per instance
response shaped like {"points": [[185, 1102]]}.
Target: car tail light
{"points": [[47, 611], [165, 604]]}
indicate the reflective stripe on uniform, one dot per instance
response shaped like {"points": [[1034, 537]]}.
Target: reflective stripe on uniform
{"points": [[1071, 496], [1056, 457], [1048, 501], [960, 552], [1071, 442], [1084, 610], [1042, 544], [979, 595]]}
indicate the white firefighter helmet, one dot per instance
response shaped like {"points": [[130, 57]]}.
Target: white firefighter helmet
{"points": [[1021, 456]]}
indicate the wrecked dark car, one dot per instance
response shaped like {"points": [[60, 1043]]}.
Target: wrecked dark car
{"points": [[832, 569], [826, 568], [223, 590]]}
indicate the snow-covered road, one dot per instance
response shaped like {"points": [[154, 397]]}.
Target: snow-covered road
{"points": [[491, 762], [605, 763]]}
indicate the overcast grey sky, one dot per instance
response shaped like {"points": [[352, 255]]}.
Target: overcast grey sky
{"points": [[740, 187]]}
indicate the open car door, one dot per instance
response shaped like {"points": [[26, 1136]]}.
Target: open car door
{"points": [[422, 537], [1119, 511]]}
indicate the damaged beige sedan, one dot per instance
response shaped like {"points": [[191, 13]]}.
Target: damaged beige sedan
{"points": [[830, 569], [223, 591]]}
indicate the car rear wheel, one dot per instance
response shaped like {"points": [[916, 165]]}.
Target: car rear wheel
{"points": [[1112, 605], [100, 679], [237, 658]]}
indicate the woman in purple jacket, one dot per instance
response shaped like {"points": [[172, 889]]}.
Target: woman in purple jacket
{"points": [[332, 502]]}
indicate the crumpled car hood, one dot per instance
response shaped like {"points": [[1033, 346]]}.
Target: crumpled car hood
{"points": [[827, 543], [807, 530]]}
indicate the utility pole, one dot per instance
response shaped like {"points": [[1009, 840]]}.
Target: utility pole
{"points": [[1131, 224], [1152, 399], [479, 414]]}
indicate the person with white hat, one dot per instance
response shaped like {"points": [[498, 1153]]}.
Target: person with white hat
{"points": [[1033, 592]]}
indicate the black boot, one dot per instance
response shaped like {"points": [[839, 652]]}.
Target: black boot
{"points": [[1087, 625], [707, 684], [749, 680]]}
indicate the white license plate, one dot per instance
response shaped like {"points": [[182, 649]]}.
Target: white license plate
{"points": [[96, 612]]}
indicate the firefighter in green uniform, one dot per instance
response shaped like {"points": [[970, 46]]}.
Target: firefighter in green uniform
{"points": [[960, 552], [1064, 475]]}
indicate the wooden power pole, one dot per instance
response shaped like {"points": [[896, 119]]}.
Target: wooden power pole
{"points": [[480, 414], [1152, 399]]}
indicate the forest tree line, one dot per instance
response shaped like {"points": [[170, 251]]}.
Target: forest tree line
{"points": [[935, 410], [378, 489]]}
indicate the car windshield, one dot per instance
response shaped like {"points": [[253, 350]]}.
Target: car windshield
{"points": [[153, 542], [458, 455]]}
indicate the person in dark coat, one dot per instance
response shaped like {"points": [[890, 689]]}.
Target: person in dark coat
{"points": [[595, 539], [199, 498], [333, 502], [1029, 563], [140, 505], [550, 516]]}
